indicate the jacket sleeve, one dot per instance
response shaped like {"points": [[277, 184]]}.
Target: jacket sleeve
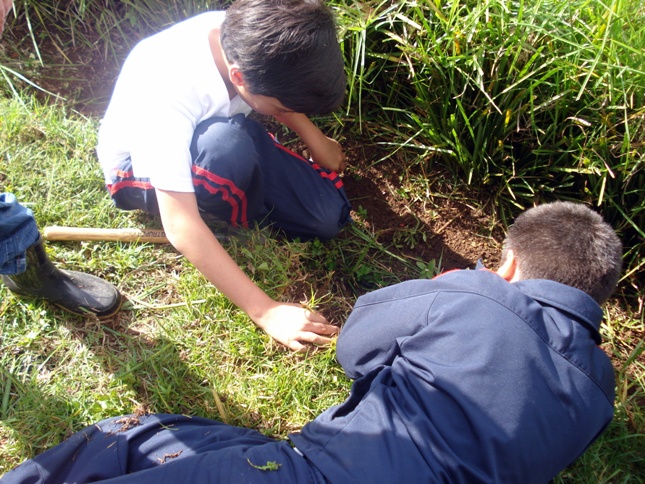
{"points": [[380, 322]]}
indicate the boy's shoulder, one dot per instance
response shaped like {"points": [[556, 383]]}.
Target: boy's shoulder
{"points": [[190, 26]]}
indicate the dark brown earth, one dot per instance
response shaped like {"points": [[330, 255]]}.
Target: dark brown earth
{"points": [[440, 226]]}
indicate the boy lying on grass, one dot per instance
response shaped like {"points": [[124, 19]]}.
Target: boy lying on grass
{"points": [[474, 376]]}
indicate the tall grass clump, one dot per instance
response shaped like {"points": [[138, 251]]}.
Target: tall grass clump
{"points": [[98, 24], [524, 101], [64, 37]]}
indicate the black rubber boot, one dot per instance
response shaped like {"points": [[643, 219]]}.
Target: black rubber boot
{"points": [[73, 291]]}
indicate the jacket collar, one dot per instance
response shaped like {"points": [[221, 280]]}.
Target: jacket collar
{"points": [[566, 298]]}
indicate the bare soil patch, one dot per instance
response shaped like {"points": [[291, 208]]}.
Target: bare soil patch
{"points": [[435, 226]]}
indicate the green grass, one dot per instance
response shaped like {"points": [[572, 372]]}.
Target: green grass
{"points": [[522, 102], [178, 345]]}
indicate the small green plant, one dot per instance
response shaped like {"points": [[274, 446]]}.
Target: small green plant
{"points": [[361, 212], [269, 466], [409, 237], [428, 270]]}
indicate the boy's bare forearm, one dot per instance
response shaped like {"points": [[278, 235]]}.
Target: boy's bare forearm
{"points": [[289, 324], [189, 235], [301, 124], [211, 259]]}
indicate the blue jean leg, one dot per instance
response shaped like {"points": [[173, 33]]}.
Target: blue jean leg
{"points": [[18, 232]]}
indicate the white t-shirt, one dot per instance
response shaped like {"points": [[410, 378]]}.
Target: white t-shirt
{"points": [[168, 84]]}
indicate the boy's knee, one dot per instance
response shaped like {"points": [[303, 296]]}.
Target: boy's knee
{"points": [[329, 230], [222, 141], [330, 226], [325, 223]]}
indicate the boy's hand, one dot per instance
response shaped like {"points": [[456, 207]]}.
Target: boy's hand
{"points": [[292, 325], [324, 151], [328, 153], [289, 324]]}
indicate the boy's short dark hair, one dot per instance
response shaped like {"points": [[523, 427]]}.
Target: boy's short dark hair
{"points": [[287, 49], [568, 243]]}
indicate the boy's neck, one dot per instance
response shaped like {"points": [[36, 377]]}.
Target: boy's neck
{"points": [[220, 61]]}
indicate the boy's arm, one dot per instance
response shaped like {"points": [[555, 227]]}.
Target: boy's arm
{"points": [[325, 151], [380, 323], [289, 324], [5, 8]]}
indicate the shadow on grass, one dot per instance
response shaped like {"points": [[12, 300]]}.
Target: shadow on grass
{"points": [[145, 374]]}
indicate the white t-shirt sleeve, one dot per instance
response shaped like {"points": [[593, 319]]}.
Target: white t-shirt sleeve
{"points": [[167, 86]]}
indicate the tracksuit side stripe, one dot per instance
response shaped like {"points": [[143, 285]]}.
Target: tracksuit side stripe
{"points": [[115, 187], [333, 176], [236, 198]]}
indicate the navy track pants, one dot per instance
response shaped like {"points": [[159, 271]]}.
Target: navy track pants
{"points": [[161, 448], [242, 175]]}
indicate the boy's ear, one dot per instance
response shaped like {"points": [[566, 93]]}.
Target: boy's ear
{"points": [[508, 269], [235, 75]]}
